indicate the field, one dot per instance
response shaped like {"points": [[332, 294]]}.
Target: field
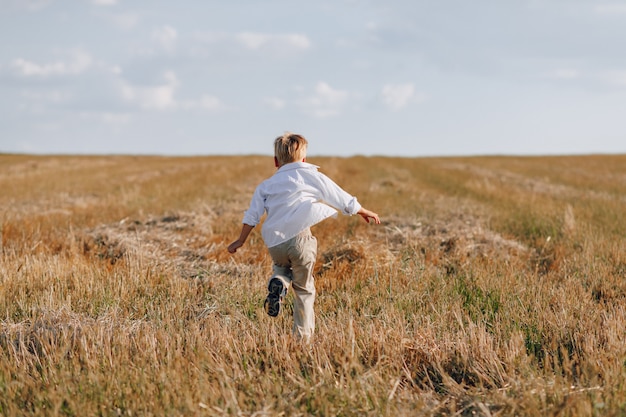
{"points": [[494, 286]]}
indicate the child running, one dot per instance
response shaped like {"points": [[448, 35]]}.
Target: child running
{"points": [[295, 198]]}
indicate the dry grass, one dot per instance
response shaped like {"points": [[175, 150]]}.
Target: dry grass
{"points": [[495, 286]]}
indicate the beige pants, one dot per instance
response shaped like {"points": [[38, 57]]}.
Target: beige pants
{"points": [[294, 261]]}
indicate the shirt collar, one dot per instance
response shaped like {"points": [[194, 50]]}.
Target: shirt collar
{"points": [[296, 165]]}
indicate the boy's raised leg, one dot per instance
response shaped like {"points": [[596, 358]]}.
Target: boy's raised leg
{"points": [[276, 293], [277, 289]]}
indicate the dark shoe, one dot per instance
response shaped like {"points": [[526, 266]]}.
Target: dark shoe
{"points": [[276, 290]]}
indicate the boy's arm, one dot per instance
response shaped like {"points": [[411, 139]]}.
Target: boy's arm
{"points": [[245, 231], [338, 198], [367, 215]]}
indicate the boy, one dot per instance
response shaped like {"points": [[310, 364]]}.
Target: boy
{"points": [[295, 198]]}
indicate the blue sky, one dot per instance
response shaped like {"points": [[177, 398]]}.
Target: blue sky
{"points": [[394, 77]]}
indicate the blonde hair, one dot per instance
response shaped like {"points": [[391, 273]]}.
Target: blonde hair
{"points": [[290, 147]]}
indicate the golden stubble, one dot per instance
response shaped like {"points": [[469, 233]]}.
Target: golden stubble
{"points": [[494, 286]]}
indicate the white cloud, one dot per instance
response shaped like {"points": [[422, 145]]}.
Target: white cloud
{"points": [[115, 118], [253, 40], [610, 9], [78, 62], [166, 36], [565, 74], [160, 97], [298, 41], [274, 102], [398, 96], [124, 21], [617, 78], [104, 2], [325, 102], [163, 96], [208, 102]]}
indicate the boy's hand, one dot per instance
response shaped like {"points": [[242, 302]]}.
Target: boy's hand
{"points": [[245, 231], [232, 248], [367, 215]]}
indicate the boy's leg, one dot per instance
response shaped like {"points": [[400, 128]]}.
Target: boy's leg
{"points": [[283, 273], [302, 254], [277, 289], [280, 281]]}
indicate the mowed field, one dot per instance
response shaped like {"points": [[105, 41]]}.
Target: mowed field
{"points": [[494, 286]]}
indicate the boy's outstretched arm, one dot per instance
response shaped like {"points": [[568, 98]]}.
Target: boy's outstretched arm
{"points": [[245, 231], [367, 215]]}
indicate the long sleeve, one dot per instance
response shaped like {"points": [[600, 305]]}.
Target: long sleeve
{"points": [[255, 211], [336, 197]]}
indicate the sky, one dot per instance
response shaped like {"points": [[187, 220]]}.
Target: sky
{"points": [[355, 77]]}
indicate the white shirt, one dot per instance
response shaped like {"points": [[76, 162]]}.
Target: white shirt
{"points": [[296, 197]]}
